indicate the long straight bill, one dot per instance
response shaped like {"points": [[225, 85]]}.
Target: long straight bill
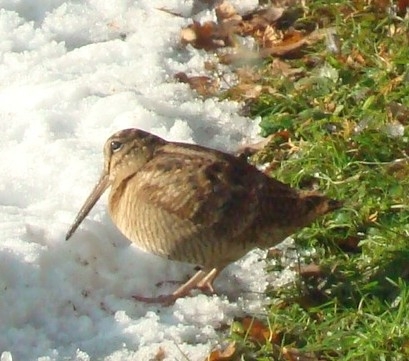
{"points": [[96, 193]]}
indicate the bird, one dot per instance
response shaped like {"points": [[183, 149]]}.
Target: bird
{"points": [[193, 204]]}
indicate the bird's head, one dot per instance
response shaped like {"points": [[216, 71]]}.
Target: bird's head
{"points": [[125, 153]]}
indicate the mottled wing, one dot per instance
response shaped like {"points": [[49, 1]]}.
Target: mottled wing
{"points": [[211, 189]]}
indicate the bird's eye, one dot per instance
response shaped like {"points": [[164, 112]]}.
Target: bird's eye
{"points": [[115, 146]]}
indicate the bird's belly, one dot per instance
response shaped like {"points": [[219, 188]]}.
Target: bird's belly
{"points": [[159, 232], [164, 234]]}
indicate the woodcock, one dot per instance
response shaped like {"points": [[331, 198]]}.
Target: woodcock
{"points": [[197, 205]]}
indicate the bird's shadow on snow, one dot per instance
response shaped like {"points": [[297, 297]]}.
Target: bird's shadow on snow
{"points": [[77, 294]]}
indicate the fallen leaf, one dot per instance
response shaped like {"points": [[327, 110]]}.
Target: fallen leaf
{"points": [[399, 168], [392, 84], [203, 85], [291, 43], [245, 91], [280, 67], [248, 75], [264, 17], [399, 112], [258, 331], [269, 37], [294, 354], [311, 299], [250, 149], [241, 57], [207, 36], [311, 270], [381, 6], [258, 24], [225, 11], [355, 60], [402, 6], [274, 253], [223, 355], [405, 346], [349, 244]]}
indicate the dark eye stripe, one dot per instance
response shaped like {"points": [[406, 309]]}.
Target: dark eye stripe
{"points": [[115, 145]]}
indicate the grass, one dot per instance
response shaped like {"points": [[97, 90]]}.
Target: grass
{"points": [[340, 125]]}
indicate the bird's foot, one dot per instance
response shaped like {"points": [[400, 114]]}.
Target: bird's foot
{"points": [[200, 280], [171, 282], [165, 300], [206, 283]]}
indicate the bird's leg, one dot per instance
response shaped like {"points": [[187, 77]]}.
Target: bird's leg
{"points": [[182, 291], [200, 279], [206, 283]]}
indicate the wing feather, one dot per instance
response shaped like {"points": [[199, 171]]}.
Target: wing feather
{"points": [[213, 190]]}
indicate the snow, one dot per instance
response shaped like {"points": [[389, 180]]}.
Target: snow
{"points": [[71, 74]]}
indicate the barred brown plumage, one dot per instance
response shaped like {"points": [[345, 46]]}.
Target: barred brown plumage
{"points": [[195, 204]]}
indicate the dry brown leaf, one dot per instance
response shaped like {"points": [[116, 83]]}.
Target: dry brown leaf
{"points": [[273, 141], [258, 331], [270, 37], [402, 5], [204, 85], [282, 136], [294, 354], [258, 24], [349, 244], [206, 36], [405, 346], [311, 270], [398, 112], [261, 18], [292, 42], [248, 75], [229, 21], [226, 11], [241, 57], [249, 91], [381, 6], [252, 148], [397, 166], [281, 67], [392, 84], [355, 60], [223, 355], [210, 65], [246, 91], [274, 253]]}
